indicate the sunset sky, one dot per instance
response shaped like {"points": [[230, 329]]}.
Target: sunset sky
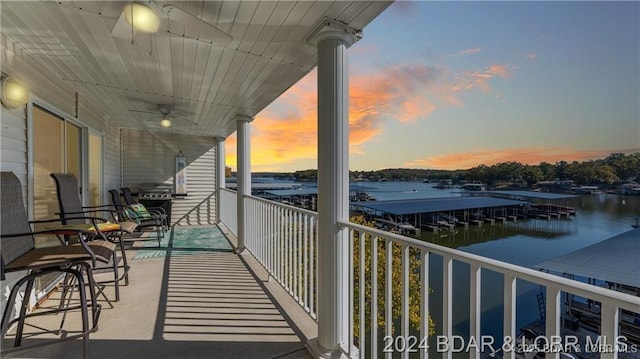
{"points": [[451, 85]]}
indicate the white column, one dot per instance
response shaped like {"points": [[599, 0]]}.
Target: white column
{"points": [[332, 40], [244, 174], [221, 166]]}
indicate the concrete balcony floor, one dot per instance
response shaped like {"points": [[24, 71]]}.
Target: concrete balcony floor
{"points": [[209, 304]]}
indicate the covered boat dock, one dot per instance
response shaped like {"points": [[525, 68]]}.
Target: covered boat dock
{"points": [[614, 260], [443, 213], [543, 204], [612, 263]]}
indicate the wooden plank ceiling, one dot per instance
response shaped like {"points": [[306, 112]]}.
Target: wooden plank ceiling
{"points": [[72, 45]]}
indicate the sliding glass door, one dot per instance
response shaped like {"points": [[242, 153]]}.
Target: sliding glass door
{"points": [[57, 148]]}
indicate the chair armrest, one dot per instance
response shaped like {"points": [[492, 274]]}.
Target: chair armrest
{"points": [[61, 231]]}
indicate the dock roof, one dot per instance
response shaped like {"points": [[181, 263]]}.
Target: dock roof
{"points": [[532, 194], [614, 260], [306, 191], [428, 205]]}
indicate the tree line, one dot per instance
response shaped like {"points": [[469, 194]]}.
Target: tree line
{"points": [[615, 168]]}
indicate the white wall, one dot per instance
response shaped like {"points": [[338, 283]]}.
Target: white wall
{"points": [[150, 158]]}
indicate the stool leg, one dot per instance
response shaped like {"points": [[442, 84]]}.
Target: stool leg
{"points": [[23, 312], [125, 264], [84, 311], [6, 316]]}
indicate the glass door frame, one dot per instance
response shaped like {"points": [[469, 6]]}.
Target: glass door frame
{"points": [[84, 152]]}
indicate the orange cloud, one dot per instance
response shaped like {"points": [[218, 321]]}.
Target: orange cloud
{"points": [[529, 155], [286, 131], [480, 79]]}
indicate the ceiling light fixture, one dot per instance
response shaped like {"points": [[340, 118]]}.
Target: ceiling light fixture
{"points": [[14, 93], [165, 122], [141, 17]]}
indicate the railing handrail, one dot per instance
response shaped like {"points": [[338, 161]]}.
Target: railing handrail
{"points": [[228, 190], [623, 300], [195, 207], [282, 205]]}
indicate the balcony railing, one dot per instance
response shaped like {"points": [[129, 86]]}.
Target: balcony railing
{"points": [[284, 239], [229, 211], [411, 249]]}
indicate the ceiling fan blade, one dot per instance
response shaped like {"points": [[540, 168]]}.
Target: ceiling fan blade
{"points": [[203, 28], [142, 111]]}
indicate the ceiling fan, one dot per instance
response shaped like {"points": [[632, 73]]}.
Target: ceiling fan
{"points": [[167, 115], [136, 16]]}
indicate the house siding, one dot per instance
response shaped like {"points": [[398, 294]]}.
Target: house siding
{"points": [[149, 157]]}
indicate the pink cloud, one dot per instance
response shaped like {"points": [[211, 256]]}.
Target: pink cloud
{"points": [[528, 155], [469, 51]]}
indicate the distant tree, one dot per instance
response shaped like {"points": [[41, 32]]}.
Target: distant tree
{"points": [[626, 167], [548, 171], [606, 174], [560, 170], [306, 175], [582, 173], [532, 174]]}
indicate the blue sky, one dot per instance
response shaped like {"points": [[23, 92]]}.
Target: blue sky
{"points": [[457, 84]]}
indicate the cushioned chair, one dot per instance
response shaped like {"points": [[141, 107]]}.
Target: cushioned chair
{"points": [[71, 208], [125, 213], [19, 254], [157, 212]]}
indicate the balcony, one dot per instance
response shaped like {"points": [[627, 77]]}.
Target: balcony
{"points": [[186, 305], [264, 302]]}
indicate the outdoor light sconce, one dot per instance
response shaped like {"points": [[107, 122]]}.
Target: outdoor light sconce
{"points": [[14, 93], [141, 17]]}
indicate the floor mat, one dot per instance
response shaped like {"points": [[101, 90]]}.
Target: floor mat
{"points": [[185, 241]]}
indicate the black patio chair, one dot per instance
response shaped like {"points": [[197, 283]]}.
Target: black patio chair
{"points": [[125, 212], [157, 212], [71, 209], [19, 254]]}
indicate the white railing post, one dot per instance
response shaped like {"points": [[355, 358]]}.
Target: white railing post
{"points": [[406, 266], [388, 293], [475, 307], [424, 302], [220, 175], [509, 330], [447, 303], [332, 39], [609, 317], [553, 316]]}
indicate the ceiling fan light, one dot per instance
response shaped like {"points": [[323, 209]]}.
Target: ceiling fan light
{"points": [[14, 93], [165, 122], [141, 17]]}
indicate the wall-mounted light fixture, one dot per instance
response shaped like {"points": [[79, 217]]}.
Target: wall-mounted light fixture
{"points": [[165, 122], [14, 93], [141, 17]]}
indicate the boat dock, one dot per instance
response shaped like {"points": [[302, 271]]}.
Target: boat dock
{"points": [[436, 214], [612, 263]]}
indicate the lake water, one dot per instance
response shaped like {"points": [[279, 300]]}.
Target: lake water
{"points": [[526, 243]]}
